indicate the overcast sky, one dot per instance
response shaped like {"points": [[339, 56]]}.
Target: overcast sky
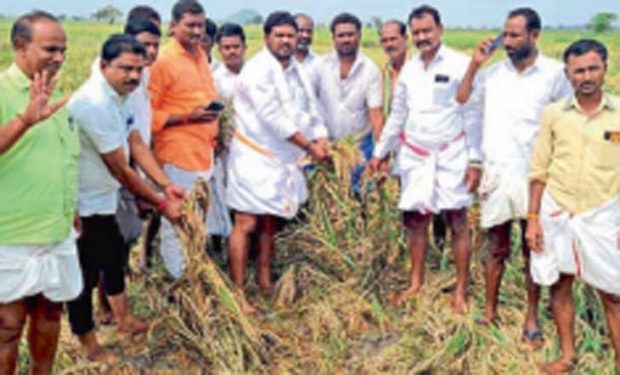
{"points": [[455, 13]]}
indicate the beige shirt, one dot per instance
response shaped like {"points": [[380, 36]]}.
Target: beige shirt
{"points": [[579, 156]]}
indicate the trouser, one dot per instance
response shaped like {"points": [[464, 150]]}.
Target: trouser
{"points": [[102, 252], [170, 247]]}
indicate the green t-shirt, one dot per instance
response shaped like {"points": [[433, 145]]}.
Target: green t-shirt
{"points": [[38, 174]]}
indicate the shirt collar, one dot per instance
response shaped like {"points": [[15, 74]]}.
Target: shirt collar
{"points": [[441, 52], [109, 90], [606, 103], [530, 69], [18, 77], [178, 49], [357, 64]]}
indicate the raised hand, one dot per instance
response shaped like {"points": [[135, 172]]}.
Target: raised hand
{"points": [[39, 107]]}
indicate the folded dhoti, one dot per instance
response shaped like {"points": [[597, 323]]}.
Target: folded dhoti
{"points": [[585, 245]]}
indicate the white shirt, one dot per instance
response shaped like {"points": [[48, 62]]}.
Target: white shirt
{"points": [[214, 64], [141, 102], [345, 102], [225, 81], [311, 64], [425, 107], [105, 120], [512, 105], [271, 105]]}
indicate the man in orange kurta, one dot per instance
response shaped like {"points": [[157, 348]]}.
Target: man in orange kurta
{"points": [[184, 132]]}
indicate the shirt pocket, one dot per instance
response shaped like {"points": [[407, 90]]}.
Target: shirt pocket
{"points": [[444, 92]]}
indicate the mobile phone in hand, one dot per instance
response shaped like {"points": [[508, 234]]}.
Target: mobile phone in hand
{"points": [[495, 43], [215, 106]]}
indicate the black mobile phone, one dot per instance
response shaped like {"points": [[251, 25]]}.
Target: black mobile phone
{"points": [[495, 43], [215, 106]]}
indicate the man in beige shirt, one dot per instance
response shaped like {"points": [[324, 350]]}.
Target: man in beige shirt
{"points": [[574, 210]]}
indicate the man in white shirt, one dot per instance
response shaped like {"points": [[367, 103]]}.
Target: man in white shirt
{"points": [[230, 39], [438, 149], [108, 137], [348, 86], [303, 54], [277, 121], [208, 41], [512, 94]]}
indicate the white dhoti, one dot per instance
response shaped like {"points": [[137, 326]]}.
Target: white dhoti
{"points": [[503, 192], [260, 184], [585, 245], [433, 178], [51, 269]]}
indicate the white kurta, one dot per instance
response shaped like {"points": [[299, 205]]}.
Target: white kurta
{"points": [[512, 105], [586, 245], [271, 104], [434, 135], [225, 81]]}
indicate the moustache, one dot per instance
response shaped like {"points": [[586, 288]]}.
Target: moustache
{"points": [[132, 82], [586, 83], [423, 43]]}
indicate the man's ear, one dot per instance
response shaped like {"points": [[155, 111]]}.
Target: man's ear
{"points": [[20, 43]]}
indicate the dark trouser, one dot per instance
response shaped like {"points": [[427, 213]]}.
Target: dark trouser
{"points": [[102, 252]]}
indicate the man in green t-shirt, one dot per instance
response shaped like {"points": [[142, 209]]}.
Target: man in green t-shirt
{"points": [[39, 147]]}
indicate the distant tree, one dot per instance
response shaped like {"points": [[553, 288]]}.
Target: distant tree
{"points": [[256, 20], [376, 22], [62, 17], [602, 22], [108, 14]]}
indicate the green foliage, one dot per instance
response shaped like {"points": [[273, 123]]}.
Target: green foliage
{"points": [[109, 14], [602, 22]]}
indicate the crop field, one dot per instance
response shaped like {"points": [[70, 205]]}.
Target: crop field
{"points": [[335, 265]]}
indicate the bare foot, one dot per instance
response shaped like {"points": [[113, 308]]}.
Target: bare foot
{"points": [[560, 366], [459, 304], [247, 308], [488, 320], [404, 296], [99, 354], [131, 326]]}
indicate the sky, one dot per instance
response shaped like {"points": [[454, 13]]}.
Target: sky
{"points": [[477, 13]]}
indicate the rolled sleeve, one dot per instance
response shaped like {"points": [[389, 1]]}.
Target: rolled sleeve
{"points": [[374, 96]]}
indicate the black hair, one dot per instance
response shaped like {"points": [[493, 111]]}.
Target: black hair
{"points": [[278, 18], [583, 46], [143, 12], [532, 19], [210, 28], [402, 28], [230, 29], [141, 25], [420, 11], [118, 44], [182, 7], [345, 18], [22, 28]]}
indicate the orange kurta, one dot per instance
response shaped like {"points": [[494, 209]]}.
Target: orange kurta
{"points": [[180, 82]]}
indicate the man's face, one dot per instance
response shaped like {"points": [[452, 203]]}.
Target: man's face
{"points": [[189, 30], [305, 31], [394, 44], [346, 39], [518, 42], [151, 43], [46, 49], [207, 43], [426, 33], [281, 41], [586, 73], [124, 72], [232, 49]]}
